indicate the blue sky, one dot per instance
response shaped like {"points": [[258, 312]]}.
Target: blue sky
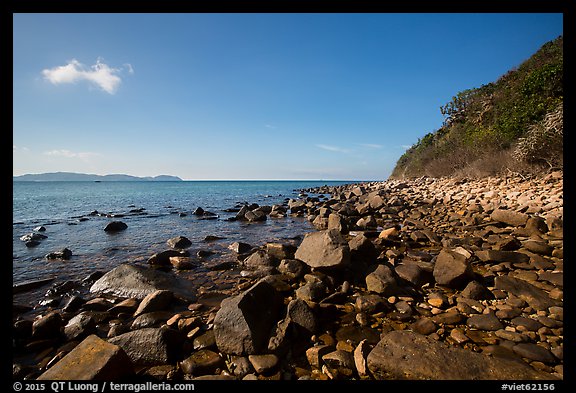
{"points": [[248, 96]]}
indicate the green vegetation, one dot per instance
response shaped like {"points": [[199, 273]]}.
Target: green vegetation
{"points": [[514, 124]]}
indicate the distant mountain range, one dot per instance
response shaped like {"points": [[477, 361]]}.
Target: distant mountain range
{"points": [[70, 176]]}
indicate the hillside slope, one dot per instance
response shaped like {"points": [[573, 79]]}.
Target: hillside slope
{"points": [[515, 123]]}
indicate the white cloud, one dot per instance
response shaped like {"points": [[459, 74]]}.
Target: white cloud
{"points": [[69, 154], [99, 74], [333, 148], [370, 145], [19, 148]]}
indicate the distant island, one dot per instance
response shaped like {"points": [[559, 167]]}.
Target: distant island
{"points": [[70, 176]]}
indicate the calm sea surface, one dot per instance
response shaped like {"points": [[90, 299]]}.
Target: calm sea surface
{"points": [[152, 212]]}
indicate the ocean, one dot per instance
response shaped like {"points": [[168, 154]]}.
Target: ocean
{"points": [[154, 213]]}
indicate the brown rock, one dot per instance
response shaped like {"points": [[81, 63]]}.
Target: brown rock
{"points": [[92, 359], [406, 355]]}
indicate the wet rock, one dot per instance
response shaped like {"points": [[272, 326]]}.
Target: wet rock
{"points": [[406, 355], [64, 254], [203, 341], [33, 237], [243, 323], [133, 281], [181, 263], [163, 258], [179, 242], [149, 346], [240, 247], [202, 362], [324, 249], [92, 359], [115, 226], [73, 304], [452, 269]]}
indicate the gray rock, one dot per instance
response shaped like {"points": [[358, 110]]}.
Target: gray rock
{"points": [[133, 281], [115, 226], [300, 314], [80, 326], [259, 259], [155, 301], [64, 254], [452, 269], [477, 291], [383, 281], [313, 291], [407, 355], [416, 273], [151, 319], [240, 247], [150, 346], [502, 256], [163, 258], [292, 268], [243, 323], [179, 242], [324, 249]]}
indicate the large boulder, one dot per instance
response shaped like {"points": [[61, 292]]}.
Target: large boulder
{"points": [[509, 217], [243, 323], [324, 249], [133, 281], [452, 269], [150, 346], [92, 359], [409, 355]]}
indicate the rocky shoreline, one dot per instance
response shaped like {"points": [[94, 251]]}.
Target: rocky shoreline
{"points": [[437, 279]]}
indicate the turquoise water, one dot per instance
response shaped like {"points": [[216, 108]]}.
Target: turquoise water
{"points": [[64, 208]]}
